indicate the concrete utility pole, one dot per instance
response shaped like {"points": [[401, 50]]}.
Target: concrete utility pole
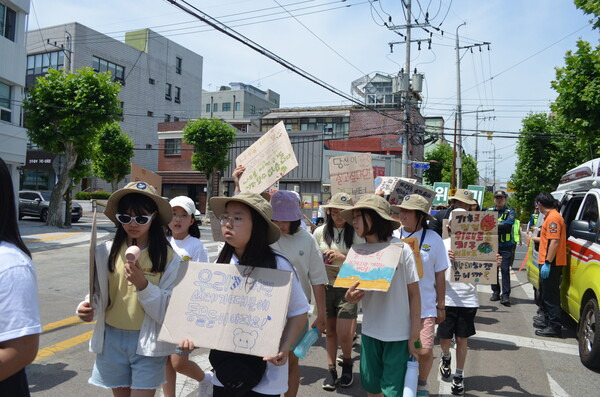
{"points": [[406, 97], [477, 124], [458, 115]]}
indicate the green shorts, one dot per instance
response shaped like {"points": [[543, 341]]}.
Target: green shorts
{"points": [[336, 305], [383, 366]]}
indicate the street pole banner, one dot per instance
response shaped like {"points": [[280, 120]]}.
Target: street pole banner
{"points": [[229, 307], [93, 237], [441, 190], [371, 264], [267, 160], [478, 192], [404, 188], [474, 241], [352, 174]]}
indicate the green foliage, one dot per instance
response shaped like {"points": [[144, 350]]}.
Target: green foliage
{"points": [[578, 101], [113, 153], [488, 200], [211, 139], [100, 195], [440, 166], [590, 7]]}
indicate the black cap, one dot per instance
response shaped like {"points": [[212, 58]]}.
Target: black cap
{"points": [[500, 193]]}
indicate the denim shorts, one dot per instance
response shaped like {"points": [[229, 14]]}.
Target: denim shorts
{"points": [[120, 366]]}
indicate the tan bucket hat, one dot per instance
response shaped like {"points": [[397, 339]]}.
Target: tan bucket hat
{"points": [[464, 195], [416, 203], [165, 212], [254, 201], [372, 202], [340, 201]]}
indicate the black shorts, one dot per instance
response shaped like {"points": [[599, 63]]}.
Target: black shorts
{"points": [[460, 322]]}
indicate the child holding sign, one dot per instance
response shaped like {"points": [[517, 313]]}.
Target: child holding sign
{"points": [[391, 319], [130, 299], [184, 237]]}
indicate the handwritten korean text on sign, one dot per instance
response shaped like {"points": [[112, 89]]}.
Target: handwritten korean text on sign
{"points": [[352, 174], [475, 272], [404, 188]]}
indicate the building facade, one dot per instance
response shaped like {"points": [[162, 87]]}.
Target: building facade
{"points": [[160, 79], [13, 17]]}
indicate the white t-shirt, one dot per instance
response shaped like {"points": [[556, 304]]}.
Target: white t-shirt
{"points": [[302, 250], [386, 315], [19, 306], [434, 258], [275, 378], [459, 294], [190, 249]]}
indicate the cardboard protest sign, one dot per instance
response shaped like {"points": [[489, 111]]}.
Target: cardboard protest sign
{"points": [[371, 264], [215, 227], [267, 160], [441, 192], [386, 184], [352, 174], [413, 243], [475, 272], [404, 188], [229, 307], [93, 237], [474, 241]]}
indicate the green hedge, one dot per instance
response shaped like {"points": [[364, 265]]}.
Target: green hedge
{"points": [[93, 195]]}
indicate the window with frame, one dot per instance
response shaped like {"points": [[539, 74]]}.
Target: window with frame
{"points": [[150, 114], [208, 108], [178, 62], [177, 94], [39, 64], [226, 107], [252, 109], [172, 147], [168, 92], [5, 102], [8, 22], [175, 118], [151, 80], [237, 106], [102, 65], [215, 107], [167, 118]]}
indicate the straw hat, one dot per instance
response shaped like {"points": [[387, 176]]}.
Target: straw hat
{"points": [[165, 212], [416, 203], [371, 202], [254, 201], [464, 195], [340, 201]]}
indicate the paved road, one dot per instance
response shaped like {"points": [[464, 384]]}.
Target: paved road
{"points": [[505, 357]]}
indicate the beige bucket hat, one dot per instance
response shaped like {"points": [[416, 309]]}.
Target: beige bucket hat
{"points": [[464, 195], [165, 212], [254, 201], [416, 203], [340, 201], [372, 202]]}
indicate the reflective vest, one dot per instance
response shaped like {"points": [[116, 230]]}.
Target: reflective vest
{"points": [[503, 216], [517, 231]]}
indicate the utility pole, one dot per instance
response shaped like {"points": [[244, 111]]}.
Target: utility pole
{"points": [[477, 124], [406, 97]]}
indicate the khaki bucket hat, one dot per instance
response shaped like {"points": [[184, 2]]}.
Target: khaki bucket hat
{"points": [[340, 201], [254, 201], [416, 203], [165, 212], [372, 202], [464, 195]]}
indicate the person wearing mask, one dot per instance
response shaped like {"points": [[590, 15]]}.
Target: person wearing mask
{"points": [[552, 258], [506, 220], [462, 198], [20, 326]]}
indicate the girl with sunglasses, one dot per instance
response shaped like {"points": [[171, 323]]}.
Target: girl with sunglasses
{"points": [[130, 299], [184, 236]]}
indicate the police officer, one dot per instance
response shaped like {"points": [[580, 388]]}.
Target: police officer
{"points": [[506, 220]]}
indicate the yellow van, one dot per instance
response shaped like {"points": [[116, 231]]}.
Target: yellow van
{"points": [[579, 196]]}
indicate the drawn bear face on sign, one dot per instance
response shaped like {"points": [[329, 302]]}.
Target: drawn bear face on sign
{"points": [[244, 340]]}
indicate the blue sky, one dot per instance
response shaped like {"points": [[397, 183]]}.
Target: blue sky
{"points": [[528, 40]]}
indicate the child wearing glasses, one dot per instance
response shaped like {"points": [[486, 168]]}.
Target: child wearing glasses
{"points": [[130, 299], [184, 236]]}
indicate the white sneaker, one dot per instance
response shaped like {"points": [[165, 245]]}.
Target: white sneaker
{"points": [[205, 388]]}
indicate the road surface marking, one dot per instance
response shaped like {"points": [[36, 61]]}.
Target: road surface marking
{"points": [[531, 343], [62, 323], [555, 388], [43, 237], [64, 345]]}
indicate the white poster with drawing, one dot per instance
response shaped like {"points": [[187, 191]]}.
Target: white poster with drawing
{"points": [[229, 307]]}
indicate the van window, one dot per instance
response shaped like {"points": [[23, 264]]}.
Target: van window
{"points": [[589, 213], [570, 211]]}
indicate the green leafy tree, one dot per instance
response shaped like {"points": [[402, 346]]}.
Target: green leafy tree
{"points": [[64, 113], [440, 166], [113, 153], [590, 7], [211, 139]]}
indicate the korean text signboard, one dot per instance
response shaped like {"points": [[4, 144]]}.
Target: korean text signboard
{"points": [[386, 184], [267, 160], [404, 188], [474, 241], [371, 264], [229, 307], [441, 193], [352, 174], [478, 192]]}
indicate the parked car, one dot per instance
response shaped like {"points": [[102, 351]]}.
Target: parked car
{"points": [[35, 203]]}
